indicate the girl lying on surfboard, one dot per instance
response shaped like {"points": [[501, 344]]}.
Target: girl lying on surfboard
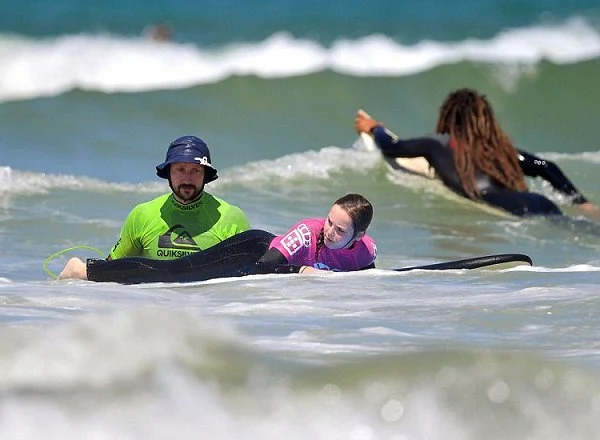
{"points": [[338, 242], [472, 156]]}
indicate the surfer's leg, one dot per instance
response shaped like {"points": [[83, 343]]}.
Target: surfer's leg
{"points": [[522, 203], [232, 257], [75, 268], [128, 270]]}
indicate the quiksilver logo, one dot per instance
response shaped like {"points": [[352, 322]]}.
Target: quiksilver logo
{"points": [[176, 238], [187, 207]]}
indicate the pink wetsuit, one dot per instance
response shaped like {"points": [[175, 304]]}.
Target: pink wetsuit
{"points": [[299, 246]]}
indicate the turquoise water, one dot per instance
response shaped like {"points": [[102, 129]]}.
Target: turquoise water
{"points": [[88, 106]]}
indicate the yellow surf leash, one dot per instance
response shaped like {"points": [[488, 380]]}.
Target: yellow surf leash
{"points": [[64, 251]]}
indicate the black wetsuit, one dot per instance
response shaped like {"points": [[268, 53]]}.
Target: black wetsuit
{"points": [[438, 152], [234, 257]]}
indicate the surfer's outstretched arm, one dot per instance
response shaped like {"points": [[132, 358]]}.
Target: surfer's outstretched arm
{"points": [[535, 166], [392, 145]]}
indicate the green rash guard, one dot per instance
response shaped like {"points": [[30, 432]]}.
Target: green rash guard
{"points": [[164, 229]]}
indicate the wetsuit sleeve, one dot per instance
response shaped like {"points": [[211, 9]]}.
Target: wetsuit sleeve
{"points": [[273, 261], [273, 256], [535, 166], [391, 145]]}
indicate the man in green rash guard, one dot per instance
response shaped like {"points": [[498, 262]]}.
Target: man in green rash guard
{"points": [[177, 224]]}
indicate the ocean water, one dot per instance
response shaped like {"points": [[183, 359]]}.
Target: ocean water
{"points": [[88, 105]]}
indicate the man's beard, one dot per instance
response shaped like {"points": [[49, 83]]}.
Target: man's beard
{"points": [[188, 197]]}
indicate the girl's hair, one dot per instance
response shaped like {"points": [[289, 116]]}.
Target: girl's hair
{"points": [[480, 143], [359, 209]]}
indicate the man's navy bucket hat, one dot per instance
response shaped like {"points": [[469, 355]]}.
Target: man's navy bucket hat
{"points": [[189, 149]]}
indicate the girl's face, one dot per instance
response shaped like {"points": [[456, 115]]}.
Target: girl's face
{"points": [[338, 231]]}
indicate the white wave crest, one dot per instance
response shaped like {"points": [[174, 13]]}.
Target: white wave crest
{"points": [[319, 164], [15, 182], [107, 63]]}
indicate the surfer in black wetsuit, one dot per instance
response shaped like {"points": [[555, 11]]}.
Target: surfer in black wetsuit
{"points": [[472, 155]]}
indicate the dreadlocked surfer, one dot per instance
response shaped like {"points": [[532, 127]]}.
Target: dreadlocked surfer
{"points": [[473, 156]]}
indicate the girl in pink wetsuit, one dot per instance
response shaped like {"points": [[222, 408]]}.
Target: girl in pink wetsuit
{"points": [[338, 242]]}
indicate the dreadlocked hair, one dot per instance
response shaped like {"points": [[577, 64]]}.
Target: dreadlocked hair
{"points": [[481, 144]]}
